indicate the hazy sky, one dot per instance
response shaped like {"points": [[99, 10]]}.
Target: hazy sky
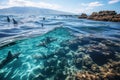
{"points": [[75, 6]]}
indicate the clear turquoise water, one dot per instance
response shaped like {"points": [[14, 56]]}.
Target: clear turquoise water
{"points": [[22, 68], [35, 60]]}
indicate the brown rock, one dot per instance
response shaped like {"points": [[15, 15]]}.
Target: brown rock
{"points": [[106, 13], [109, 71], [105, 16], [83, 15]]}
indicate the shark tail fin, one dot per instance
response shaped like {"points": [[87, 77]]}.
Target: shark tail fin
{"points": [[9, 54]]}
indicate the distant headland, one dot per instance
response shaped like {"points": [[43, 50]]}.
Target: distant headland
{"points": [[102, 16]]}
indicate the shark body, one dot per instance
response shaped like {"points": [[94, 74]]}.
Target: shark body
{"points": [[10, 57]]}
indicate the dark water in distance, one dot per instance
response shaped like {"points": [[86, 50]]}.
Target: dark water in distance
{"points": [[31, 25], [45, 62]]}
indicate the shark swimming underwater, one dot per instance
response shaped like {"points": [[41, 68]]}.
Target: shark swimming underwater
{"points": [[47, 41], [10, 57]]}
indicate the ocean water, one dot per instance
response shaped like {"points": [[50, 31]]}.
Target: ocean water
{"points": [[75, 46]]}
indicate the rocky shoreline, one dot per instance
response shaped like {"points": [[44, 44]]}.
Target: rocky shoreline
{"points": [[102, 16]]}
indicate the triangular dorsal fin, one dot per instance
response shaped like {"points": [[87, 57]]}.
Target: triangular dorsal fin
{"points": [[9, 54]]}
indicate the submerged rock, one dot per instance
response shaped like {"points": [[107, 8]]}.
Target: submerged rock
{"points": [[78, 62], [59, 75], [109, 71]]}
